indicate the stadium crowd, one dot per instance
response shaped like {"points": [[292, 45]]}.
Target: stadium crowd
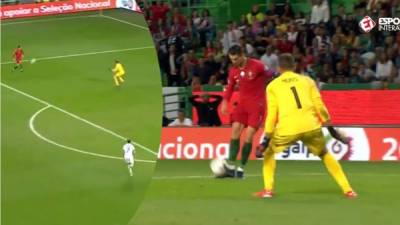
{"points": [[329, 48]]}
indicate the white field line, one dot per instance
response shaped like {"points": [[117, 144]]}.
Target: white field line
{"points": [[260, 175], [33, 129], [46, 20], [84, 54], [77, 117], [125, 22]]}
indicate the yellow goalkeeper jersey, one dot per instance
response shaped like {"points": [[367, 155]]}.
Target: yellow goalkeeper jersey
{"points": [[119, 69], [294, 105]]}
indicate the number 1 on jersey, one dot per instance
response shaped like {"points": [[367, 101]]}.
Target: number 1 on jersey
{"points": [[296, 96]]}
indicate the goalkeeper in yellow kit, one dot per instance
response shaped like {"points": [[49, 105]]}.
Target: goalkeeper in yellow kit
{"points": [[295, 112], [118, 73]]}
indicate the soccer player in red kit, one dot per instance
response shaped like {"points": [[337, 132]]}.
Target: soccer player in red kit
{"points": [[18, 55], [251, 76]]}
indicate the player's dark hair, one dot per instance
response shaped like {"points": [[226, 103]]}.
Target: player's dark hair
{"points": [[128, 140], [286, 61], [19, 46], [235, 50], [116, 61]]}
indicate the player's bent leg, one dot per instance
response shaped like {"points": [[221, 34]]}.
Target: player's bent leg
{"points": [[120, 77], [315, 141], [116, 80]]}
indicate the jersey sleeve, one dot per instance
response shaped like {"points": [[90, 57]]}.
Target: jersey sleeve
{"points": [[230, 88], [319, 105], [115, 68], [272, 109]]}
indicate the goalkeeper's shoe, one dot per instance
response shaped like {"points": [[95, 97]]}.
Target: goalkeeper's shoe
{"points": [[264, 194], [351, 194]]}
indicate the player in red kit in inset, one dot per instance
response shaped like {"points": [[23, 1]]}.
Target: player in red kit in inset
{"points": [[18, 55], [251, 76]]}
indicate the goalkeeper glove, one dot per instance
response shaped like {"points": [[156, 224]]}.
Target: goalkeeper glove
{"points": [[260, 149]]}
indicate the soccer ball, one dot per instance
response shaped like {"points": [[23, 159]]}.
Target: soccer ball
{"points": [[218, 167], [33, 61]]}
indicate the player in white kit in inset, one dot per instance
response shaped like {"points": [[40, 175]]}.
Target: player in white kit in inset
{"points": [[129, 155]]}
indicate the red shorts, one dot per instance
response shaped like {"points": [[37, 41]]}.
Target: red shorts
{"points": [[249, 113], [18, 60]]}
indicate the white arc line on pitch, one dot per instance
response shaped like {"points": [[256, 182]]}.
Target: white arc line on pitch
{"points": [[77, 117], [32, 128], [83, 54]]}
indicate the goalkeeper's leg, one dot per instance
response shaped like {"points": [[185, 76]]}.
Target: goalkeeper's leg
{"points": [[121, 79], [315, 141], [116, 80]]}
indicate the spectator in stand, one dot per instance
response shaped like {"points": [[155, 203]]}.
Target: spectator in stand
{"points": [[159, 11], [292, 33], [209, 49], [176, 15], [341, 73], [320, 12], [205, 69], [383, 68], [206, 27], [173, 67], [207, 110], [366, 73], [175, 39], [270, 59], [231, 36], [283, 44], [195, 24], [354, 76], [181, 121], [255, 11], [287, 13], [247, 48]]}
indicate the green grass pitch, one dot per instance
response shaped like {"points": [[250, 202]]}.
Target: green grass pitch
{"points": [[44, 182], [183, 192]]}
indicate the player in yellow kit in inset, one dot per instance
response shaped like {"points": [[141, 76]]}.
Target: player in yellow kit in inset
{"points": [[296, 112], [119, 72]]}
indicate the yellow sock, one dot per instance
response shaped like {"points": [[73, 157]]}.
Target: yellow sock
{"points": [[269, 170], [121, 79], [336, 171], [116, 80]]}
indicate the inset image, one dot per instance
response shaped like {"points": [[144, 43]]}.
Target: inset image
{"points": [[81, 111], [275, 112]]}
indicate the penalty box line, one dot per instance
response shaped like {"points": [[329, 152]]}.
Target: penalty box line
{"points": [[78, 117]]}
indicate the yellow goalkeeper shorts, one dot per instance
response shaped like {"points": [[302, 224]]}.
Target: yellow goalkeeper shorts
{"points": [[314, 140]]}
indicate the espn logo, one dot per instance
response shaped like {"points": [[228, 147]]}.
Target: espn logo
{"points": [[389, 24], [385, 24]]}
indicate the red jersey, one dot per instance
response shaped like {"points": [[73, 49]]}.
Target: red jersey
{"points": [[18, 53], [252, 81]]}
